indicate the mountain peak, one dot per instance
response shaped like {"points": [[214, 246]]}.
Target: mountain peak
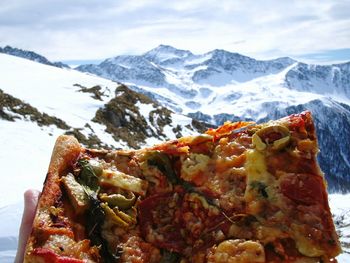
{"points": [[284, 60], [164, 53], [168, 49]]}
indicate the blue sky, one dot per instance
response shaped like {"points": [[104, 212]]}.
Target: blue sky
{"points": [[62, 30]]}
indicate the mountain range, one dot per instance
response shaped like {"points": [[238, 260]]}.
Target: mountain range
{"points": [[189, 92], [219, 85]]}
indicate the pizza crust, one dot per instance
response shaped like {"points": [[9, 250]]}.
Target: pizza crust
{"points": [[66, 149]]}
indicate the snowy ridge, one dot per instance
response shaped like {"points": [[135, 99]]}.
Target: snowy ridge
{"points": [[179, 77], [31, 56]]}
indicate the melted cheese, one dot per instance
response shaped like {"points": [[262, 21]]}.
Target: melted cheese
{"points": [[257, 173], [194, 164], [238, 251], [304, 244]]}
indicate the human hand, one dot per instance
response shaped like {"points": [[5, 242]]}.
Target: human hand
{"points": [[30, 202]]}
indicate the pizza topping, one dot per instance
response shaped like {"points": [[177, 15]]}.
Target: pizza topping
{"points": [[119, 200], [169, 257], [98, 231], [76, 193], [257, 178], [114, 204], [96, 166], [163, 163], [157, 217], [88, 178], [193, 166], [123, 181], [136, 250], [260, 188], [276, 136], [305, 243], [48, 256], [129, 218], [258, 143], [307, 145], [61, 248], [237, 251], [112, 217], [303, 188]]}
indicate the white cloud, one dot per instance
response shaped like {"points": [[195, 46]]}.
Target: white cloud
{"points": [[67, 30]]}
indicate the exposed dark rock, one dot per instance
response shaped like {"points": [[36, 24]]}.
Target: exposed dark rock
{"points": [[12, 108], [200, 116], [95, 91], [201, 127], [124, 121]]}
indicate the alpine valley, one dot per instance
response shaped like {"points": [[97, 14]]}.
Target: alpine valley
{"points": [[135, 101]]}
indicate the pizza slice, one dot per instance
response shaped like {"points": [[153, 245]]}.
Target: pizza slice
{"points": [[243, 192]]}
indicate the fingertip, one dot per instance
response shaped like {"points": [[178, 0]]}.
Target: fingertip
{"points": [[31, 197], [31, 194]]}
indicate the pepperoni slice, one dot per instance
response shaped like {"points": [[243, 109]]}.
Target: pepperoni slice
{"points": [[303, 188]]}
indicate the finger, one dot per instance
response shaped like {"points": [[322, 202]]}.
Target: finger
{"points": [[30, 202]]}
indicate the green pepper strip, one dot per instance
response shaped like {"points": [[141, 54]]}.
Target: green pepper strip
{"points": [[112, 216], [118, 200]]}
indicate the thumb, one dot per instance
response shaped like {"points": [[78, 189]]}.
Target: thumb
{"points": [[30, 202]]}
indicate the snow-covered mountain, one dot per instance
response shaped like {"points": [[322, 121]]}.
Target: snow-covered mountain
{"points": [[31, 56], [219, 85], [330, 80]]}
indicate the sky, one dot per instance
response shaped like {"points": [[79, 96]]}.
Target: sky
{"points": [[91, 30]]}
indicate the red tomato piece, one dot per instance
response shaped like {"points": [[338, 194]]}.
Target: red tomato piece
{"points": [[51, 257]]}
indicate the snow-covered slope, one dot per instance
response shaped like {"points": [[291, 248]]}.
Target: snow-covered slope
{"points": [[220, 85], [340, 207]]}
